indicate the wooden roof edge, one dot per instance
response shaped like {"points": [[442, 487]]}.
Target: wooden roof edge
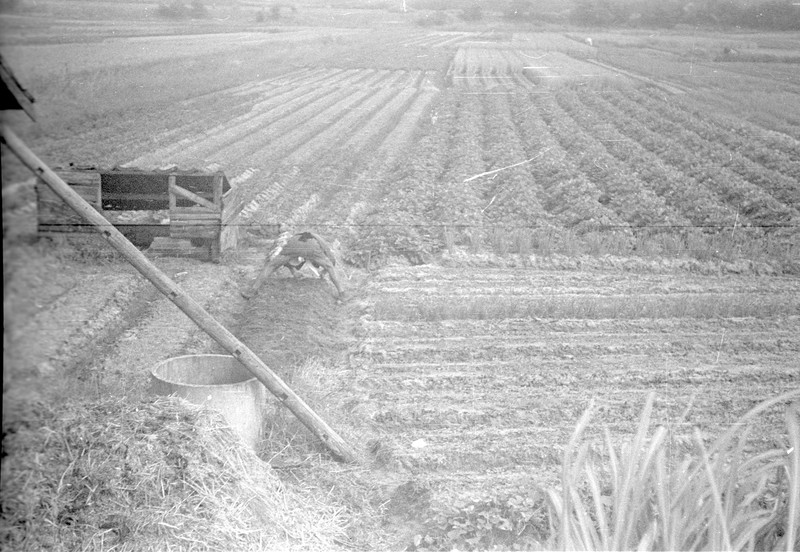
{"points": [[15, 96]]}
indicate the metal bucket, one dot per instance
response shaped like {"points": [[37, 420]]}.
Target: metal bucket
{"points": [[219, 381]]}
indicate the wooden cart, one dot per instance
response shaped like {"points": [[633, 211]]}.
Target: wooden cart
{"points": [[175, 212]]}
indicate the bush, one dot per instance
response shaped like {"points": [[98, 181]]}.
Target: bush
{"points": [[510, 522], [178, 10], [432, 19], [8, 6], [712, 497], [174, 10], [198, 10], [276, 11], [519, 10], [773, 14]]}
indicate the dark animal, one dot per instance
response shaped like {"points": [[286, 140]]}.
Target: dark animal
{"points": [[295, 251]]}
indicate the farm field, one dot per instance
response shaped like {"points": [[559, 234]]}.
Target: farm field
{"points": [[752, 75], [491, 367], [525, 224]]}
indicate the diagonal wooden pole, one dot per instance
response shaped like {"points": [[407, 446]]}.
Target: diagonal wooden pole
{"points": [[335, 444]]}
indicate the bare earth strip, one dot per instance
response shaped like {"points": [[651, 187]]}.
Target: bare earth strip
{"points": [[490, 400]]}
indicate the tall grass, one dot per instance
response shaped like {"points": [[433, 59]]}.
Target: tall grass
{"points": [[719, 497]]}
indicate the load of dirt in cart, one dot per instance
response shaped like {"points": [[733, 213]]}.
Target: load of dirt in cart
{"points": [[147, 475]]}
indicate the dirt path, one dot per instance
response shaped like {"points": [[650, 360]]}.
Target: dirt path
{"points": [[100, 325]]}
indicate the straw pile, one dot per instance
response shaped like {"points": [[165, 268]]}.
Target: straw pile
{"points": [[152, 475]]}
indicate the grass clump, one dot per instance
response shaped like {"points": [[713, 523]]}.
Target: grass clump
{"points": [[146, 475], [718, 497], [645, 496]]}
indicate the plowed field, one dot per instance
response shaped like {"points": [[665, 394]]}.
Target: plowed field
{"points": [[521, 231], [491, 367]]}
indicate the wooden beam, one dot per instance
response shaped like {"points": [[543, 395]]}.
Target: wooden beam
{"points": [[191, 196], [133, 196], [335, 444], [82, 177], [173, 201], [191, 213]]}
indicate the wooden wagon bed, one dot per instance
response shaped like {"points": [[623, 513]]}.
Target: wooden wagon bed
{"points": [[175, 212]]}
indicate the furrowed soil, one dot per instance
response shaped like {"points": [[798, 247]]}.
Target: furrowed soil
{"points": [[495, 396], [482, 316]]}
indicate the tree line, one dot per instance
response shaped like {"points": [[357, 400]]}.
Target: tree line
{"points": [[783, 15]]}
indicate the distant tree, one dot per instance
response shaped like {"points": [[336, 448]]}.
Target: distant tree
{"points": [[774, 14], [770, 14], [7, 6], [178, 10], [198, 10], [276, 10], [174, 10], [519, 10], [664, 14], [473, 12], [599, 13]]}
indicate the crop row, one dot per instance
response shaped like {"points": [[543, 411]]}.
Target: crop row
{"points": [[329, 160], [684, 195], [459, 198], [760, 158], [569, 196], [514, 197], [278, 106], [358, 164], [437, 40], [515, 69], [484, 161], [339, 127], [364, 186], [395, 221], [571, 163], [622, 190], [481, 68], [306, 134], [679, 148], [773, 150], [536, 161], [685, 182]]}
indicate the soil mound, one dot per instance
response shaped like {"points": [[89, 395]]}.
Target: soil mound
{"points": [[147, 475]]}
